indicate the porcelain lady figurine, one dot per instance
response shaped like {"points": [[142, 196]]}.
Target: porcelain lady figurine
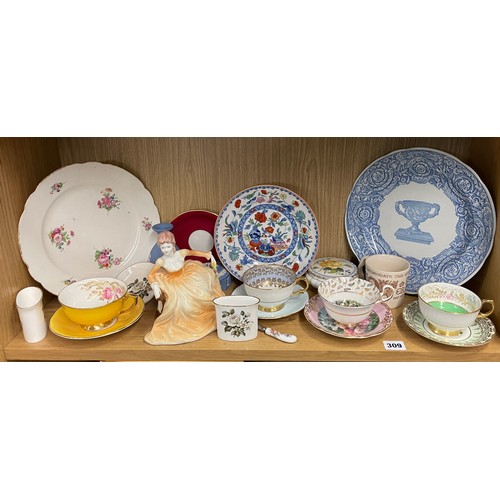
{"points": [[187, 289]]}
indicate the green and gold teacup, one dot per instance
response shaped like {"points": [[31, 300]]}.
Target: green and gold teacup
{"points": [[449, 308]]}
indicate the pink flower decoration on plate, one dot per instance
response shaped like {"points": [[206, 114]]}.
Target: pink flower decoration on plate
{"points": [[108, 200], [105, 259], [60, 237]]}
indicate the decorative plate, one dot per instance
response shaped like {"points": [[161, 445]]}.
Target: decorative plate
{"points": [[61, 326], [263, 225], [135, 277], [426, 206], [194, 230], [293, 305], [378, 322], [86, 220], [480, 333]]}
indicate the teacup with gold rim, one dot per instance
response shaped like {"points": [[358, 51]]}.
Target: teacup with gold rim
{"points": [[273, 284], [350, 300], [450, 308], [96, 303]]}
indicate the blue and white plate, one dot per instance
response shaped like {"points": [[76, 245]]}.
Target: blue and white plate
{"points": [[264, 225], [426, 206]]}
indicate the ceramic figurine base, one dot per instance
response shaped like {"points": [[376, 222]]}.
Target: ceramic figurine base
{"points": [[188, 313]]}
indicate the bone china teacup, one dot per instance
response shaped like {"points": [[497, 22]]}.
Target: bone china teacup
{"points": [[450, 308], [350, 300], [96, 303], [273, 284]]}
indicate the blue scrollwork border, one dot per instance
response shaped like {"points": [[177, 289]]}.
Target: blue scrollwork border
{"points": [[474, 209]]}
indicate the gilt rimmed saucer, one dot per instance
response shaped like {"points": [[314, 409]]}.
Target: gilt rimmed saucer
{"points": [[480, 333], [377, 323], [61, 326], [293, 305]]}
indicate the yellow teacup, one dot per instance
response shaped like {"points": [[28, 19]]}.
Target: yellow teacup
{"points": [[96, 303]]}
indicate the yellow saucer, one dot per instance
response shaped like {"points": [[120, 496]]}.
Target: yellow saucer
{"points": [[64, 327]]}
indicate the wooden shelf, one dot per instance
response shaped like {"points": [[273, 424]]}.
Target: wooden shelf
{"points": [[322, 170], [312, 345]]}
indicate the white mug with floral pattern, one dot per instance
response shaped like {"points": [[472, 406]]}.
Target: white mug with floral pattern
{"points": [[237, 317]]}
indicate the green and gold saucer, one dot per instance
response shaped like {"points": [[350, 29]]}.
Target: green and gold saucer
{"points": [[480, 333]]}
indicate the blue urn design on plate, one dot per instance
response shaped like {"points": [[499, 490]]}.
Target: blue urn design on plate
{"points": [[451, 213], [416, 212]]}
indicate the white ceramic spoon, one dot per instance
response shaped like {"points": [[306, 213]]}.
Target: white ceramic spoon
{"points": [[284, 337]]}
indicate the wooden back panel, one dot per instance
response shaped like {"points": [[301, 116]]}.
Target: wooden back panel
{"points": [[24, 162], [204, 173]]}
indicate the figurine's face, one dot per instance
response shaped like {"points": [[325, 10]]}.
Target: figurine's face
{"points": [[167, 248]]}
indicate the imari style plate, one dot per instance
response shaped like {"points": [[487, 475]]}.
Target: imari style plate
{"points": [[426, 206], [377, 323], [86, 220], [480, 333], [263, 225]]}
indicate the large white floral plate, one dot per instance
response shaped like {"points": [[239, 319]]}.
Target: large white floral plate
{"points": [[266, 224], [378, 322], [480, 333], [426, 206], [86, 220]]}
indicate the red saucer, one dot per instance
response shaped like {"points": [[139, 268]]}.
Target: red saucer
{"points": [[190, 228]]}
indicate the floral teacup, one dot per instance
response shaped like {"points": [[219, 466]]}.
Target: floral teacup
{"points": [[272, 284], [96, 303]]}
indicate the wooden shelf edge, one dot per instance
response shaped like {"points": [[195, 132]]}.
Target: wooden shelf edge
{"points": [[312, 345]]}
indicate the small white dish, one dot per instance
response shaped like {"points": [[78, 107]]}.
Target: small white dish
{"points": [[294, 305], [135, 277]]}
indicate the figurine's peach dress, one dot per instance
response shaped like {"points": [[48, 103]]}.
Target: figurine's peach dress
{"points": [[188, 313]]}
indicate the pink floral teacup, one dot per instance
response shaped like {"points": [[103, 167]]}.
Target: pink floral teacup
{"points": [[96, 303]]}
